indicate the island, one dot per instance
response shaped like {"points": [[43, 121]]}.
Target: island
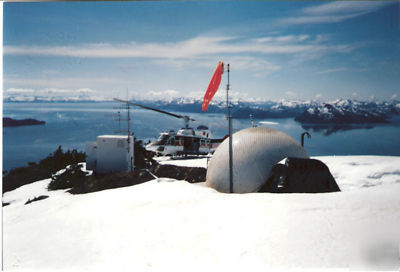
{"points": [[9, 122]]}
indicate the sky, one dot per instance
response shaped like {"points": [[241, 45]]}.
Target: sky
{"points": [[155, 50]]}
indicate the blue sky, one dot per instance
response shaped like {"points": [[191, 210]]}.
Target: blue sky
{"points": [[297, 50]]}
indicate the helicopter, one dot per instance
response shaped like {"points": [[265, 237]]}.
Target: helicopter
{"points": [[186, 141]]}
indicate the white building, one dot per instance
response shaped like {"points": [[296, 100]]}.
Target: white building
{"points": [[110, 153]]}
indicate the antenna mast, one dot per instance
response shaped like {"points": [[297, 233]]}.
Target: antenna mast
{"points": [[228, 112], [125, 106], [127, 119]]}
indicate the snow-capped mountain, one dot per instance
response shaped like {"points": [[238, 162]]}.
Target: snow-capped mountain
{"points": [[345, 111], [273, 109], [309, 111]]}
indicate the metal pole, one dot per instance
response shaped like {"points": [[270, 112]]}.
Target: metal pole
{"points": [[128, 130], [302, 137], [128, 115], [228, 109]]}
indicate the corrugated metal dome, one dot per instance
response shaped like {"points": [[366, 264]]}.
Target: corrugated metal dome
{"points": [[255, 151]]}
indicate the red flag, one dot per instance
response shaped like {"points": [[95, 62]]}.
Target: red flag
{"points": [[213, 86]]}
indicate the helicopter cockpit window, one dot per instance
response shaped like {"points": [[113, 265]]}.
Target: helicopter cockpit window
{"points": [[179, 140], [171, 141], [162, 140]]}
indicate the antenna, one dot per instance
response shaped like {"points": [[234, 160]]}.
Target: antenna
{"points": [[127, 131], [228, 113], [252, 121], [185, 118], [116, 117], [302, 137], [127, 119], [119, 120]]}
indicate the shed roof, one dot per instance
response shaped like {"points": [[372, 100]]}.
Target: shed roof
{"points": [[112, 137]]}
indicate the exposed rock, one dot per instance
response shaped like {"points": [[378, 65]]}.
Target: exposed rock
{"points": [[36, 199], [190, 174], [80, 184], [300, 176]]}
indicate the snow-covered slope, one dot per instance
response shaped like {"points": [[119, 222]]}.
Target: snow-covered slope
{"points": [[166, 225]]}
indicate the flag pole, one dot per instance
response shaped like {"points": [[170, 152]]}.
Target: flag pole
{"points": [[228, 111]]}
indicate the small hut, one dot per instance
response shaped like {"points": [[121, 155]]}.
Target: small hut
{"points": [[110, 153]]}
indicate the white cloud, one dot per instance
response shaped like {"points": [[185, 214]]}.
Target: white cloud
{"points": [[290, 94], [155, 95], [334, 12], [220, 95], [322, 38], [19, 91], [55, 91], [318, 95], [341, 69], [258, 66], [196, 47], [49, 91], [63, 82], [233, 95], [162, 94], [345, 7], [317, 19], [394, 96], [49, 94], [187, 48], [333, 70], [49, 72], [200, 51], [288, 38]]}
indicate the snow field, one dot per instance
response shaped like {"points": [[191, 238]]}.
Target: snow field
{"points": [[166, 224]]}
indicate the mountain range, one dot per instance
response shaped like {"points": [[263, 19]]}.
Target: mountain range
{"points": [[340, 111]]}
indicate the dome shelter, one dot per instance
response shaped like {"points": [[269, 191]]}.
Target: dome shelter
{"points": [[255, 151]]}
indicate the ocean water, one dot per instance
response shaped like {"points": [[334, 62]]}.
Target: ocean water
{"points": [[72, 124]]}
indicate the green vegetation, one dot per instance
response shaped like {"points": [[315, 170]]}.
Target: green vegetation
{"points": [[73, 176], [143, 158], [42, 170]]}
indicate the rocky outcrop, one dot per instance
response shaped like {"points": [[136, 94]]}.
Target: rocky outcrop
{"points": [[300, 176]]}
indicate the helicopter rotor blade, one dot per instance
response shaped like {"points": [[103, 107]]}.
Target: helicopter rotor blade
{"points": [[153, 109]]}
